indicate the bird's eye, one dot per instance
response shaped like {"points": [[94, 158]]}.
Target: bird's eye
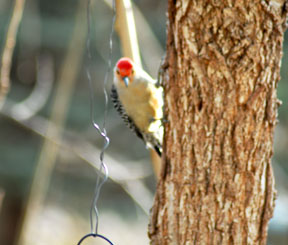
{"points": [[118, 72]]}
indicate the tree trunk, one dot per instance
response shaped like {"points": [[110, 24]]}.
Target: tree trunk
{"points": [[222, 68]]}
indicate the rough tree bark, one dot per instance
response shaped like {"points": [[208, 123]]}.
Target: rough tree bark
{"points": [[222, 68]]}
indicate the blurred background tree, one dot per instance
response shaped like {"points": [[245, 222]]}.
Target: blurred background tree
{"points": [[43, 38]]}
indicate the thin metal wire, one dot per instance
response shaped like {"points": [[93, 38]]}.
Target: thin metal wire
{"points": [[103, 170]]}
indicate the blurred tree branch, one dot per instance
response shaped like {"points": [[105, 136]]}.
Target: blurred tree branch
{"points": [[63, 94], [2, 195], [128, 178], [8, 49], [125, 27], [152, 55], [40, 93]]}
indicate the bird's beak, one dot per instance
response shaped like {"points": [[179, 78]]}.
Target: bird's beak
{"points": [[126, 81]]}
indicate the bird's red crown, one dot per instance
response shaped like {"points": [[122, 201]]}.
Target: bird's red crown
{"points": [[124, 64]]}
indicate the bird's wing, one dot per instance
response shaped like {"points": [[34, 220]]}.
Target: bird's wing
{"points": [[119, 107], [147, 138]]}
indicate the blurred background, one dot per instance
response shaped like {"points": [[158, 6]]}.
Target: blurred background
{"points": [[45, 121]]}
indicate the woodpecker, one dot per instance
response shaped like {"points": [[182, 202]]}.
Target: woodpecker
{"points": [[139, 100]]}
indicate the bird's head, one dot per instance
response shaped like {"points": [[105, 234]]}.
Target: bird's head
{"points": [[124, 71]]}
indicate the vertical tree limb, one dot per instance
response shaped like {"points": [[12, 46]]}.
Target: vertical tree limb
{"points": [[125, 27], [217, 184], [7, 53]]}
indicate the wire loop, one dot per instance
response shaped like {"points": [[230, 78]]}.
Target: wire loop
{"points": [[94, 236]]}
